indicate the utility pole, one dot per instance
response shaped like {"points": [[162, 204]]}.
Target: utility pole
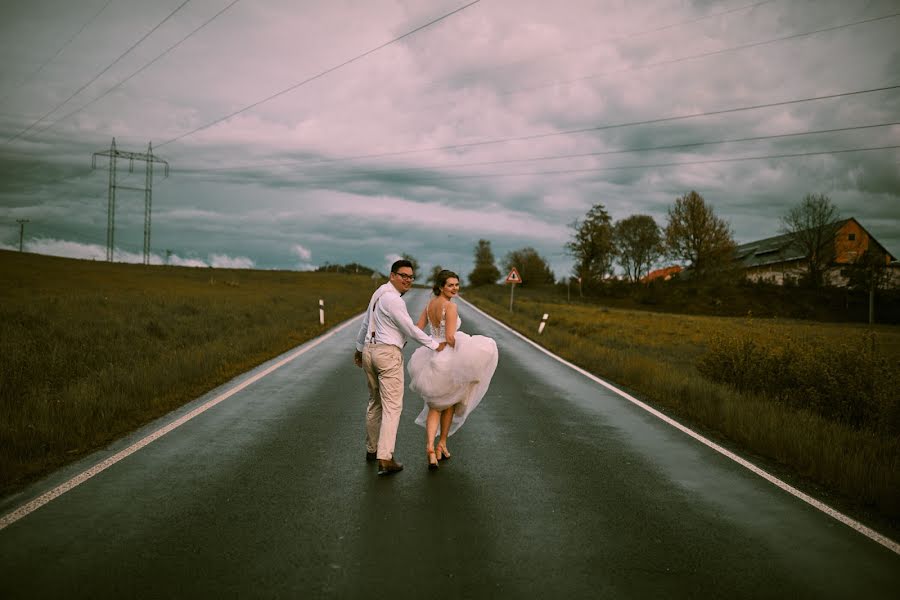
{"points": [[113, 153], [21, 223]]}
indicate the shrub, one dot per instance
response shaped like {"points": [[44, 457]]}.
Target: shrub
{"points": [[849, 384]]}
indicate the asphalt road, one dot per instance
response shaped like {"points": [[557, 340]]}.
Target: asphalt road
{"points": [[557, 488]]}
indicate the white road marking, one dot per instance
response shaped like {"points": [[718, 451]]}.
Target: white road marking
{"points": [[58, 491], [866, 531]]}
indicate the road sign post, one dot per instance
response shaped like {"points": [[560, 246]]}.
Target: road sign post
{"points": [[513, 278]]}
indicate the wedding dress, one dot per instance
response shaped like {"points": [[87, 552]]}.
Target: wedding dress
{"points": [[455, 376]]}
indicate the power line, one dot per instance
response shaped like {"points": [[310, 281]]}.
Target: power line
{"points": [[683, 58], [437, 177], [58, 52], [673, 164], [620, 38], [136, 73], [640, 149], [613, 39], [576, 131], [98, 75], [314, 77], [523, 138]]}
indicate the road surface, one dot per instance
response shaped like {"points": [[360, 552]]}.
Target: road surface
{"points": [[558, 488]]}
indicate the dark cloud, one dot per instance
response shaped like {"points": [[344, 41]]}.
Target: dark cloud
{"points": [[283, 184]]}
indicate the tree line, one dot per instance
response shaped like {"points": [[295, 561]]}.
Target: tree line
{"points": [[693, 235]]}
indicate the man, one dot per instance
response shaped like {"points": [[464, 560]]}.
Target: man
{"points": [[379, 345]]}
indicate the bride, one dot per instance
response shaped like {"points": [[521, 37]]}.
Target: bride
{"points": [[452, 382]]}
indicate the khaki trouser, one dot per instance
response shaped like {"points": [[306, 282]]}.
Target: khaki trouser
{"points": [[383, 364]]}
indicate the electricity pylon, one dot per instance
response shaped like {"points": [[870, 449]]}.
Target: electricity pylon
{"points": [[147, 157]]}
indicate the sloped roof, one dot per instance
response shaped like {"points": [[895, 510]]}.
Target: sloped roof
{"points": [[778, 249], [664, 272], [773, 250]]}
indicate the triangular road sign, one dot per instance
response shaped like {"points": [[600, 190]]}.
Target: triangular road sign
{"points": [[514, 276]]}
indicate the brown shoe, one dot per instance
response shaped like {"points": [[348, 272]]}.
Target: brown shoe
{"points": [[389, 467], [371, 456]]}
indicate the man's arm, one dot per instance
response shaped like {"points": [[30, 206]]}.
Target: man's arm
{"points": [[361, 336], [396, 308], [363, 331]]}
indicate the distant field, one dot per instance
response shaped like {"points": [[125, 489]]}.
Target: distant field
{"points": [[821, 399], [92, 350]]}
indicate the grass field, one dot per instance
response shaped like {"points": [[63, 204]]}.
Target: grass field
{"points": [[784, 390], [93, 350]]}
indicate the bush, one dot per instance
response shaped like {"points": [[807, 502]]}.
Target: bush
{"points": [[849, 384]]}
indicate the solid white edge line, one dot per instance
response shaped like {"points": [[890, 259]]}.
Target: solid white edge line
{"points": [[58, 491], [866, 531]]}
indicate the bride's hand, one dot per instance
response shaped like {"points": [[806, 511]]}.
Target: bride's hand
{"points": [[441, 346]]}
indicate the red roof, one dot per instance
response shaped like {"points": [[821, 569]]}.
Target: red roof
{"points": [[665, 273]]}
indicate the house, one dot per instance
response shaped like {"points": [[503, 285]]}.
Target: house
{"points": [[665, 274], [780, 259]]}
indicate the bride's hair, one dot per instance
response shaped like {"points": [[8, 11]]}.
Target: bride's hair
{"points": [[441, 279]]}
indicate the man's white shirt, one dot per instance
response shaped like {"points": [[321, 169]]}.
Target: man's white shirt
{"points": [[392, 322]]}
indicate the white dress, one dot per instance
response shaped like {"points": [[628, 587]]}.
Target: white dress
{"points": [[455, 376]]}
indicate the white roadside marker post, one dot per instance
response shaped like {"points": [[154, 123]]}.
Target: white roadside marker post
{"points": [[321, 312], [543, 323]]}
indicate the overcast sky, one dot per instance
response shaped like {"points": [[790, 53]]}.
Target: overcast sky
{"points": [[490, 123]]}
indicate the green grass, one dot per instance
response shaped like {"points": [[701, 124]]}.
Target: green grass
{"points": [[657, 355], [93, 350]]}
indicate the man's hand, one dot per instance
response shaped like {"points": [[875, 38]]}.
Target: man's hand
{"points": [[357, 358], [441, 346]]}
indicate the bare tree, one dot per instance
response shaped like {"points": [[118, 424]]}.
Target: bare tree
{"points": [[813, 225], [592, 246], [638, 244], [695, 235]]}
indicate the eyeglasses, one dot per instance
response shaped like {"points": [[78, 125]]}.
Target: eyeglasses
{"points": [[404, 276]]}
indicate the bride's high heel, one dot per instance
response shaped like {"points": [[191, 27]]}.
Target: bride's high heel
{"points": [[442, 452], [432, 459]]}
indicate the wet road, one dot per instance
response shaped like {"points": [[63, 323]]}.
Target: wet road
{"points": [[557, 488]]}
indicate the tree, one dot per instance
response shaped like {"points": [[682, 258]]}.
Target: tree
{"points": [[347, 268], [410, 258], [869, 273], [592, 246], [695, 235], [485, 272], [638, 244], [813, 225], [531, 266], [435, 270]]}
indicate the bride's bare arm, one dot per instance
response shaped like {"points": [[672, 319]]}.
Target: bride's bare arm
{"points": [[423, 319], [451, 324]]}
